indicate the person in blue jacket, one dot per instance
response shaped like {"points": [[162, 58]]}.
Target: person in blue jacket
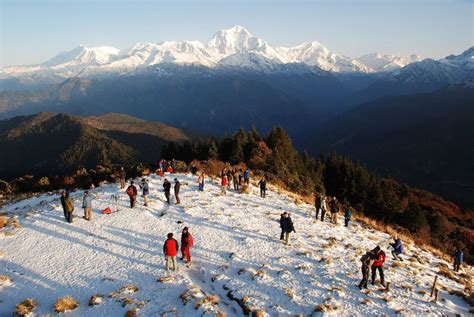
{"points": [[458, 259], [247, 176], [347, 216], [397, 249]]}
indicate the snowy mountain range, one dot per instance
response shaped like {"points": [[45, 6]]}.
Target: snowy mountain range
{"points": [[229, 47]]}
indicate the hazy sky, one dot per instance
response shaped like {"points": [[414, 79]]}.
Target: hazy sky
{"points": [[36, 30]]}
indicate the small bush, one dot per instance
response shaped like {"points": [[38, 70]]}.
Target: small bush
{"points": [[96, 299], [25, 308], [65, 304]]}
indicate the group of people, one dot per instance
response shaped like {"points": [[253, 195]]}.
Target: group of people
{"points": [[166, 166], [322, 204], [237, 177], [372, 261], [171, 247]]}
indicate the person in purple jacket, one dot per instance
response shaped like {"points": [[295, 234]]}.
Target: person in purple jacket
{"points": [[397, 249]]}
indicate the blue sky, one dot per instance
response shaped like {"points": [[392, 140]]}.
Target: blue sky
{"points": [[34, 31]]}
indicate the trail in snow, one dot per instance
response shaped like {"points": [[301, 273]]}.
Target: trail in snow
{"points": [[237, 249]]}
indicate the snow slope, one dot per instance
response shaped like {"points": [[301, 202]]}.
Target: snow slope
{"points": [[237, 249]]}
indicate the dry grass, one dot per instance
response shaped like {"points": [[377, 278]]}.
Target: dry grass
{"points": [[387, 299], [65, 304], [290, 293], [5, 280], [423, 292], [132, 312], [209, 300], [259, 313], [304, 253], [303, 266], [127, 301], [444, 271], [96, 299], [407, 287], [365, 301], [260, 274], [331, 242], [399, 311], [126, 289], [399, 264], [220, 313], [165, 279], [324, 308], [3, 221], [327, 260], [337, 289], [25, 308]]}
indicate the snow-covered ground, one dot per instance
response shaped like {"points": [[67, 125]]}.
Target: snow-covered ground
{"points": [[237, 249]]}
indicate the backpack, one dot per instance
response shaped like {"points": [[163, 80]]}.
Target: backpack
{"points": [[69, 205], [130, 191]]}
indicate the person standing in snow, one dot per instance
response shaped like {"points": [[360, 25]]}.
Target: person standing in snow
{"points": [[263, 187], [201, 182], [334, 208], [186, 244], [288, 227], [378, 265], [347, 216], [87, 205], [247, 176], [193, 169], [317, 203], [167, 189], [177, 186], [145, 190], [229, 179], [367, 261], [397, 246], [323, 208], [132, 192], [170, 249], [241, 178], [123, 177], [223, 183], [68, 206], [235, 179], [458, 259], [282, 225]]}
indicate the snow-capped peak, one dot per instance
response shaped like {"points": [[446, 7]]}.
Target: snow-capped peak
{"points": [[82, 55], [387, 62]]}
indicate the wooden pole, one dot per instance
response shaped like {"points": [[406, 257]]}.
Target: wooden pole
{"points": [[434, 286], [387, 288], [436, 294]]}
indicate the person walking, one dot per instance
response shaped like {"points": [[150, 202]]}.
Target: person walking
{"points": [[68, 206], [323, 208], [263, 187], [177, 186], [167, 189], [145, 190], [170, 249], [288, 227], [123, 177], [132, 192], [378, 265], [282, 225], [458, 259], [317, 204], [223, 183], [397, 246], [347, 216], [367, 261], [186, 244], [87, 205]]}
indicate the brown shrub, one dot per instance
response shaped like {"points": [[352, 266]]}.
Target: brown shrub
{"points": [[96, 299], [3, 221], [132, 312], [65, 304], [25, 308], [259, 313]]}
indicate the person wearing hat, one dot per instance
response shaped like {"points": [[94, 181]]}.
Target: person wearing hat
{"points": [[186, 244], [177, 186], [170, 249]]}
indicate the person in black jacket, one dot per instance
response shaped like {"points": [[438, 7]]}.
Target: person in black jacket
{"points": [[282, 220], [263, 187], [177, 186], [167, 188], [288, 227]]}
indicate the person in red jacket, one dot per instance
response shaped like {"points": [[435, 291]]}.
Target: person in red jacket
{"points": [[186, 244], [378, 265], [132, 192], [223, 183], [170, 249]]}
